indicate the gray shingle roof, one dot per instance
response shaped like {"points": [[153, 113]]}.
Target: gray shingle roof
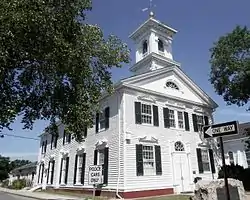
{"points": [[30, 165]]}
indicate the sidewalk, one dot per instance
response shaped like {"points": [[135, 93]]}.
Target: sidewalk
{"points": [[38, 195]]}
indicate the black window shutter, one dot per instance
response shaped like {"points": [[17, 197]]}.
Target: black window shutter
{"points": [[95, 157], [206, 120], [66, 170], [48, 172], [45, 146], [106, 165], [42, 173], [166, 117], [139, 160], [64, 137], [107, 118], [97, 123], [199, 159], [158, 160], [39, 174], [69, 138], [83, 167], [52, 172], [85, 131], [60, 176], [55, 142], [75, 170], [138, 113], [52, 141], [211, 156], [155, 115], [195, 122], [187, 128]]}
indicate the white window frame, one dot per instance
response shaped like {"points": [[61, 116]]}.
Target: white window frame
{"points": [[207, 161], [101, 121], [147, 115], [231, 157], [50, 171], [79, 169], [180, 120], [173, 119], [66, 136], [199, 124], [148, 171], [63, 172], [44, 146]]}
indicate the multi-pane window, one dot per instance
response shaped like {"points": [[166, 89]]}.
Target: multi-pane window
{"points": [[102, 120], [172, 85], [148, 160], [180, 120], [44, 147], [145, 47], [160, 45], [231, 157], [51, 169], [200, 122], [146, 113], [171, 118], [101, 157], [79, 168], [63, 171], [178, 146], [67, 138], [205, 160]]}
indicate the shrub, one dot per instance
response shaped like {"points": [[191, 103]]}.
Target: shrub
{"points": [[233, 171], [19, 184], [5, 183], [237, 172]]}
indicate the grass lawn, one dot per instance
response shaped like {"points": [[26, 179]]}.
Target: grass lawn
{"points": [[169, 197]]}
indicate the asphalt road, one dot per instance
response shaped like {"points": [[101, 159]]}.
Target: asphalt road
{"points": [[5, 196]]}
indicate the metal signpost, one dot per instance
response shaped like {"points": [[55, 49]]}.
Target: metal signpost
{"points": [[220, 130], [95, 176]]}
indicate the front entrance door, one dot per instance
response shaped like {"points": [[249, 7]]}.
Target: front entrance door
{"points": [[181, 171]]}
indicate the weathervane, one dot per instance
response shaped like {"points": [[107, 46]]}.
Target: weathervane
{"points": [[150, 8]]}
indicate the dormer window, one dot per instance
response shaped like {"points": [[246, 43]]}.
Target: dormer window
{"points": [[145, 47], [172, 85], [160, 45]]}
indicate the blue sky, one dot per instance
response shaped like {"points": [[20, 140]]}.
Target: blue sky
{"points": [[199, 24]]}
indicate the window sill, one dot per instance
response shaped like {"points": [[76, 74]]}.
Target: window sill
{"points": [[62, 184], [102, 130], [78, 184]]}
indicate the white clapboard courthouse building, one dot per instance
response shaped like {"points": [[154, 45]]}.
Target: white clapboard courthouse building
{"points": [[147, 136]]}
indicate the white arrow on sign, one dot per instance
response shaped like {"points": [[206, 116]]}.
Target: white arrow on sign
{"points": [[209, 131]]}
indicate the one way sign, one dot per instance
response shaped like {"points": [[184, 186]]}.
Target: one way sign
{"points": [[218, 130]]}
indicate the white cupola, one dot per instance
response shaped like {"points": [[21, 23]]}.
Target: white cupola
{"points": [[153, 41]]}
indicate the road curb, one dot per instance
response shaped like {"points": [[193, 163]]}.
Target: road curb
{"points": [[38, 198], [23, 195]]}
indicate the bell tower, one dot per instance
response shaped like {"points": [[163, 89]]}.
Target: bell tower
{"points": [[153, 41]]}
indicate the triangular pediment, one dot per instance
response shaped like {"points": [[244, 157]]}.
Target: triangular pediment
{"points": [[173, 82]]}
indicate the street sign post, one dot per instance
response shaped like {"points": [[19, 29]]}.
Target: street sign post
{"points": [[95, 176], [220, 130]]}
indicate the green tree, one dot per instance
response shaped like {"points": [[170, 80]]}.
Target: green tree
{"points": [[18, 163], [230, 67], [53, 65], [4, 168]]}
